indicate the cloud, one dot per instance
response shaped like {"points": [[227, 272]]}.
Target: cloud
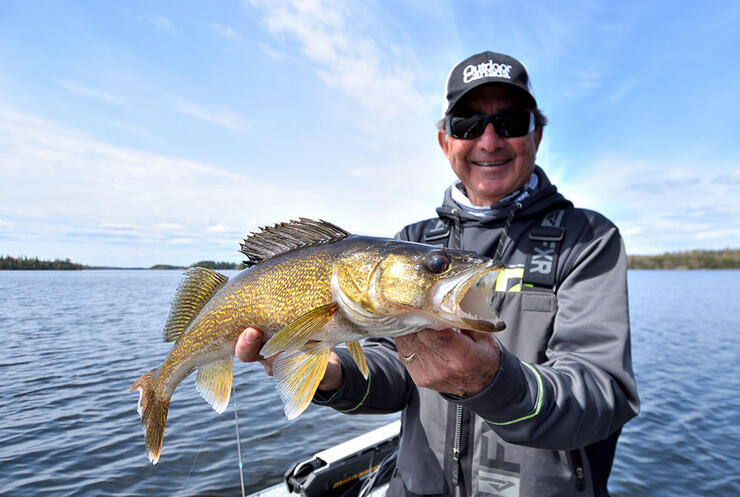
{"points": [[86, 91], [65, 194], [160, 22], [661, 207], [348, 56], [225, 31], [215, 115]]}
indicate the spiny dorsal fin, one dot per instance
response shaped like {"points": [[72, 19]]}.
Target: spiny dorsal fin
{"points": [[284, 237], [196, 288]]}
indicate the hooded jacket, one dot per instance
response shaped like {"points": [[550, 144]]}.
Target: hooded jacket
{"points": [[548, 423]]}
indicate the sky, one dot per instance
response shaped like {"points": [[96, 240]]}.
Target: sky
{"points": [[138, 133]]}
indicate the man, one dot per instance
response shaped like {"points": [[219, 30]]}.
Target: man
{"points": [[535, 410]]}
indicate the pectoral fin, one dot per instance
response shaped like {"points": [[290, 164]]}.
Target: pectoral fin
{"points": [[299, 374], [296, 334], [359, 356], [214, 383]]}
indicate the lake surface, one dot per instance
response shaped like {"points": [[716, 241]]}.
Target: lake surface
{"points": [[74, 341]]}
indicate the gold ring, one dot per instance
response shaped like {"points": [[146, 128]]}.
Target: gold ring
{"points": [[408, 359]]}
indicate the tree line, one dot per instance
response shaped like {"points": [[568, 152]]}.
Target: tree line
{"points": [[689, 259], [8, 262]]}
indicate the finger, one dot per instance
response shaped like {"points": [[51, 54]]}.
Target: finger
{"points": [[479, 336], [407, 345], [248, 345], [439, 340]]}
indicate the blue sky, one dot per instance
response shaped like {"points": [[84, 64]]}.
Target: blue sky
{"points": [[134, 133]]}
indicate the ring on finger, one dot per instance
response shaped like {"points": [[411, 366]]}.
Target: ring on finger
{"points": [[408, 359]]}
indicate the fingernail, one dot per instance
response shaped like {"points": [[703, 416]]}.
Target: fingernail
{"points": [[251, 337]]}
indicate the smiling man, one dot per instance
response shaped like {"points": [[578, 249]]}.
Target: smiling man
{"points": [[535, 410]]}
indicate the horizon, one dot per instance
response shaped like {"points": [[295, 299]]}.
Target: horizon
{"points": [[139, 134]]}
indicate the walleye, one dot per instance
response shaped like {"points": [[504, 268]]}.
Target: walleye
{"points": [[311, 286]]}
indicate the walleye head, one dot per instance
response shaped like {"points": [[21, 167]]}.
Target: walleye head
{"points": [[447, 288]]}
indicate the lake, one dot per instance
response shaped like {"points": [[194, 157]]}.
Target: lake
{"points": [[74, 341]]}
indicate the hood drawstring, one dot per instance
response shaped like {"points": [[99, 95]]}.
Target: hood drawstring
{"points": [[457, 234], [505, 231]]}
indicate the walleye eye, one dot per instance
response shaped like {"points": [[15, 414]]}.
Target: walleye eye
{"points": [[437, 262]]}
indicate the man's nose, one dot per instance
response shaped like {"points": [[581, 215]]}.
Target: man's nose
{"points": [[489, 140]]}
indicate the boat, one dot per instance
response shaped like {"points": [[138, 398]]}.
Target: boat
{"points": [[358, 467]]}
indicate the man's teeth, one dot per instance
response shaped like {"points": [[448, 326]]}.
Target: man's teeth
{"points": [[495, 163]]}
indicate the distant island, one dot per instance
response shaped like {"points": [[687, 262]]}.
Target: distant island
{"points": [[27, 263], [690, 259]]}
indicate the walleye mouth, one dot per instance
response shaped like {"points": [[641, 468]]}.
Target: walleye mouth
{"points": [[471, 300]]}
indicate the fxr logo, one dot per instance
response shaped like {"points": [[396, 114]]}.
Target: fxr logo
{"points": [[543, 257]]}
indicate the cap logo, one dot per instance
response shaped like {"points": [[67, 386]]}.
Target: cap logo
{"points": [[488, 69]]}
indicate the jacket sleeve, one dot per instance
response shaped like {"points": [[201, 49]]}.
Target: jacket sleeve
{"points": [[387, 388], [585, 390]]}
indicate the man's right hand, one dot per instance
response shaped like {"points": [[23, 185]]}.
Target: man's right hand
{"points": [[248, 350]]}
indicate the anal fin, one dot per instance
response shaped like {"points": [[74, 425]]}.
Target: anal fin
{"points": [[296, 334], [358, 355], [213, 382], [299, 374]]}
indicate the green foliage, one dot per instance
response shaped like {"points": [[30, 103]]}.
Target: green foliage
{"points": [[218, 265], [8, 262], [165, 266], [690, 259]]}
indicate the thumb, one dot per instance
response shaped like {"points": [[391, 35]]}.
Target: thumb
{"points": [[249, 344]]}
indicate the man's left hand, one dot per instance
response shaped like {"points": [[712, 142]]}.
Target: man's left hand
{"points": [[456, 362]]}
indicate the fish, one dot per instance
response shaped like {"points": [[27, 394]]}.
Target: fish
{"points": [[309, 286]]}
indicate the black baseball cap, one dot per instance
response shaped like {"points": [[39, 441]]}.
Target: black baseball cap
{"points": [[486, 68]]}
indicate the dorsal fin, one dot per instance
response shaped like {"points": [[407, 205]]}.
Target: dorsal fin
{"points": [[284, 237], [196, 288]]}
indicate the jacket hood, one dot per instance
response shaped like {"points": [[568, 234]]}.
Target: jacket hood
{"points": [[545, 198]]}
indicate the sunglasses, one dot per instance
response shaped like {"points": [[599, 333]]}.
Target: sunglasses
{"points": [[508, 124]]}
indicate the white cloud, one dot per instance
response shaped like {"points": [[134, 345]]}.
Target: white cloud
{"points": [[216, 115], [662, 207], [225, 31], [65, 194], [347, 55], [380, 82], [161, 23], [86, 91], [271, 52]]}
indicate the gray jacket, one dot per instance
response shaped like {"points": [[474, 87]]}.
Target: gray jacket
{"points": [[548, 423]]}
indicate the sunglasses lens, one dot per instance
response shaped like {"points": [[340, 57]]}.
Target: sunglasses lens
{"points": [[508, 124], [466, 128], [511, 124]]}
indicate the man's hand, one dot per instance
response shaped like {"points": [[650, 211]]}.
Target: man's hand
{"points": [[461, 362], [248, 350]]}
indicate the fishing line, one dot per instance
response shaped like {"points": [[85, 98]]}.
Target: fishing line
{"points": [[238, 440]]}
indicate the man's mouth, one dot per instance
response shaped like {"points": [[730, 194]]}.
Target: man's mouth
{"points": [[491, 163]]}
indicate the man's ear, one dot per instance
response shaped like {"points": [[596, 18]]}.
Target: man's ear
{"points": [[537, 138], [442, 138]]}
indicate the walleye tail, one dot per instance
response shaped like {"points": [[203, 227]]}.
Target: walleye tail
{"points": [[153, 412]]}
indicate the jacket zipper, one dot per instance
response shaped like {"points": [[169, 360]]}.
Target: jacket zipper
{"points": [[456, 242], [578, 467], [456, 464]]}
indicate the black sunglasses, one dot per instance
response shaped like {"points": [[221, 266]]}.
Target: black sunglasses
{"points": [[508, 124]]}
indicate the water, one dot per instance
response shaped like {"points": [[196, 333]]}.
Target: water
{"points": [[74, 341]]}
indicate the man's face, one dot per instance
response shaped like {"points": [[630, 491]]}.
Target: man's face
{"points": [[490, 166]]}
